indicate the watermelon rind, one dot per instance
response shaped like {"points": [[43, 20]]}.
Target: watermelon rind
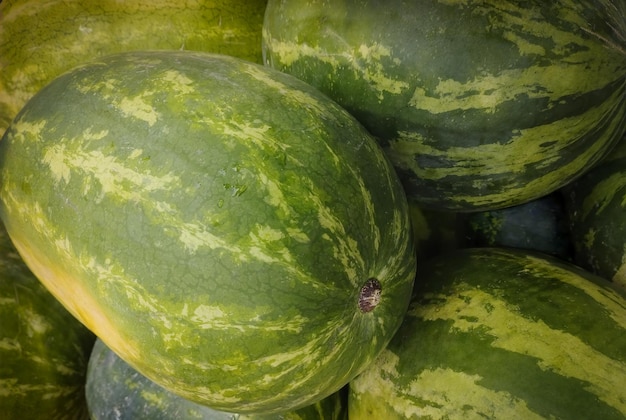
{"points": [[209, 217], [501, 333], [39, 40], [480, 105], [114, 390], [44, 350], [595, 215]]}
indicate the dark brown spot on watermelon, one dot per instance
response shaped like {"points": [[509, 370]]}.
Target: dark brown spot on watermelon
{"points": [[370, 294]]}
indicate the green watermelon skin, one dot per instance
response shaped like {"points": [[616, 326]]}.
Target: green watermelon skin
{"points": [[479, 105], [40, 40], [208, 217], [501, 334], [114, 390], [595, 210], [43, 349]]}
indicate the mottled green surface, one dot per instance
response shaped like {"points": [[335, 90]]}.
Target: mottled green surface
{"points": [[480, 105], [596, 208], [43, 349], [501, 334], [114, 390], [41, 39], [213, 221]]}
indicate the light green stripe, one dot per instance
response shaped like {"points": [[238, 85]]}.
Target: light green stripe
{"points": [[608, 299], [108, 275], [138, 107], [442, 394], [115, 177], [458, 395], [10, 388], [293, 94], [241, 318], [345, 248], [177, 82], [26, 131], [10, 344], [194, 235], [513, 332], [533, 143], [603, 194], [259, 136], [36, 324], [364, 60], [121, 180], [8, 301], [283, 365]]}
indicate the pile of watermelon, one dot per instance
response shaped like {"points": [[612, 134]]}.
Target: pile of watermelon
{"points": [[293, 209]]}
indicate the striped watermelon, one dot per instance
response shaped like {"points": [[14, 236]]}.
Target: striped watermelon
{"points": [[208, 217], [43, 349], [114, 390], [501, 334], [41, 39], [480, 105], [595, 207]]}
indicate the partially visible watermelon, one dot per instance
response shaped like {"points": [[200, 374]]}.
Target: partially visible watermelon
{"points": [[596, 211], [41, 39], [480, 104], [43, 349], [114, 390], [497, 333]]}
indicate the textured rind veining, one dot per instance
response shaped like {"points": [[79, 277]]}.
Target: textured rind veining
{"points": [[41, 40], [203, 220], [44, 350], [501, 333], [509, 106], [595, 208]]}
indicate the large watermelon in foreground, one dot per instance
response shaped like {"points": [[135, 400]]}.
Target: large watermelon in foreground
{"points": [[227, 230], [480, 104], [43, 349], [501, 334], [39, 40]]}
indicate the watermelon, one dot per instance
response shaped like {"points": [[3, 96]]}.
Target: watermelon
{"points": [[595, 208], [114, 390], [226, 229], [539, 225], [479, 105], [44, 350], [41, 39], [501, 333]]}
